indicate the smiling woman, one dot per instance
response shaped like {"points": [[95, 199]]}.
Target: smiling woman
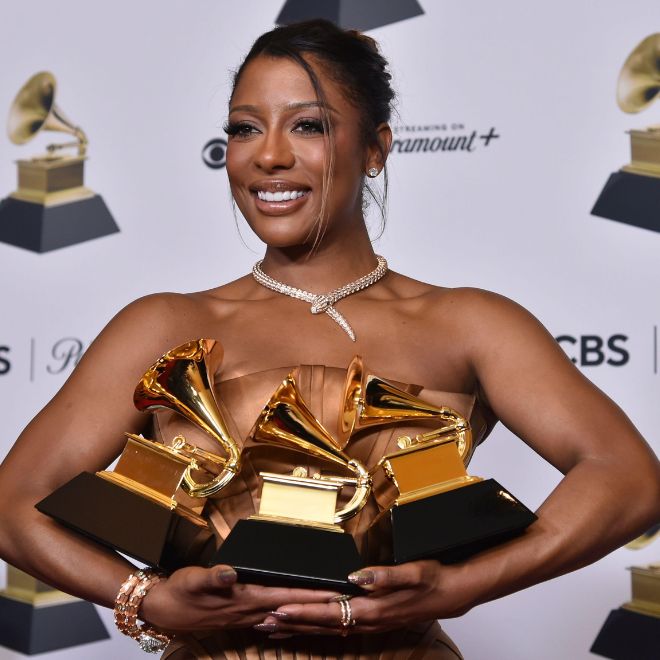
{"points": [[308, 125]]}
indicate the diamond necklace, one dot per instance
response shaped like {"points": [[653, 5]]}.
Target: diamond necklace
{"points": [[324, 302]]}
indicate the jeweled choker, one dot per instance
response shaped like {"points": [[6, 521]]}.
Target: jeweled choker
{"points": [[324, 302]]}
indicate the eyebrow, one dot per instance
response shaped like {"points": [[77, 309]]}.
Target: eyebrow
{"points": [[288, 107]]}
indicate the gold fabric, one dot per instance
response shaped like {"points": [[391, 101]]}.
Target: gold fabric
{"points": [[241, 399]]}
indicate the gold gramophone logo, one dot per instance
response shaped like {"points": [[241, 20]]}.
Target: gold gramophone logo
{"points": [[632, 195], [51, 207]]}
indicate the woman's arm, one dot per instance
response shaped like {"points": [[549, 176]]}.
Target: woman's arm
{"points": [[611, 491], [81, 429]]}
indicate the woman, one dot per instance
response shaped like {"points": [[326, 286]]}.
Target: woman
{"points": [[308, 121]]}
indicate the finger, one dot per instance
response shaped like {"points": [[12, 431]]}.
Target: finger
{"points": [[196, 579], [272, 598], [323, 614], [390, 577]]}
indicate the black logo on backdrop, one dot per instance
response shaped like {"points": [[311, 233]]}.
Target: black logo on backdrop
{"points": [[54, 359], [594, 350], [443, 137], [350, 14], [214, 153]]}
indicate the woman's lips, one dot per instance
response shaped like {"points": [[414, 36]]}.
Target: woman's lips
{"points": [[280, 207]]}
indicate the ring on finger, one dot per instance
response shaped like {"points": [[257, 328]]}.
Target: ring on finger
{"points": [[347, 620]]}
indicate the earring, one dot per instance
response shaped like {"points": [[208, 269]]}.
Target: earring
{"points": [[373, 172]]}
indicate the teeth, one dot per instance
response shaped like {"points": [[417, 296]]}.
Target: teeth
{"points": [[279, 196]]}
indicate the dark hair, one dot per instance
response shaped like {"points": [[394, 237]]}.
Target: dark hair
{"points": [[352, 60]]}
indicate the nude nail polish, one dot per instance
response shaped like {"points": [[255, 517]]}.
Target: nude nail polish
{"points": [[362, 577], [280, 615]]}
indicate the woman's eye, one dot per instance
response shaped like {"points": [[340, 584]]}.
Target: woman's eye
{"points": [[309, 127], [239, 129]]}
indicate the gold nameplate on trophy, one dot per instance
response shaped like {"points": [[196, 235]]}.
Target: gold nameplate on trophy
{"points": [[645, 590], [157, 471], [425, 468], [290, 498]]}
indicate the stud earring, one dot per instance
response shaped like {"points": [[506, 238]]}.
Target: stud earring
{"points": [[372, 172]]}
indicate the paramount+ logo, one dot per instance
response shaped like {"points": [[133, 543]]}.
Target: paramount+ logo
{"points": [[441, 137]]}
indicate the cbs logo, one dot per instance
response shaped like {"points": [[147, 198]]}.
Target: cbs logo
{"points": [[214, 153], [594, 350]]}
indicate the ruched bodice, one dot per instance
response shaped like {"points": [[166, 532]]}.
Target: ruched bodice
{"points": [[241, 399]]}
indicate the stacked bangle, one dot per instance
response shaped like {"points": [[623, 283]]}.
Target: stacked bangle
{"points": [[127, 605]]}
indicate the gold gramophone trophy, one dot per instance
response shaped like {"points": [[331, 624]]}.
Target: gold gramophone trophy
{"points": [[633, 630], [440, 511], [632, 195], [149, 506], [36, 618], [296, 539], [51, 208]]}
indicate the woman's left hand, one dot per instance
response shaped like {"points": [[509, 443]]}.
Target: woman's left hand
{"points": [[398, 596]]}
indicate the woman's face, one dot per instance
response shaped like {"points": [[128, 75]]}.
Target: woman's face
{"points": [[278, 153]]}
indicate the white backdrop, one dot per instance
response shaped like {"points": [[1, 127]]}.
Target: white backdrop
{"points": [[148, 82]]}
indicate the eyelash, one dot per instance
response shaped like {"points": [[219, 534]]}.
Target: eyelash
{"points": [[243, 129]]}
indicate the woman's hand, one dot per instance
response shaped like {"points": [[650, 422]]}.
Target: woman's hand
{"points": [[210, 599], [398, 596]]}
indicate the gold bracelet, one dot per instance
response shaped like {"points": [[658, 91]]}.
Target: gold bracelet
{"points": [[127, 605]]}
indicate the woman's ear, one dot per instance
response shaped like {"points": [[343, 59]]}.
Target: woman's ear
{"points": [[378, 151]]}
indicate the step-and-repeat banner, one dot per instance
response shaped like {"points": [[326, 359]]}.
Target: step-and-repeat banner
{"points": [[505, 175]]}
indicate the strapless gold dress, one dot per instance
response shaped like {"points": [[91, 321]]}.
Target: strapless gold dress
{"points": [[241, 400]]}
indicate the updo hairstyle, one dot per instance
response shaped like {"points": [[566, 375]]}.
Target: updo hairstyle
{"points": [[352, 60]]}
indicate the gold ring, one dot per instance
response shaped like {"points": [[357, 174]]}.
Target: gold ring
{"points": [[347, 620]]}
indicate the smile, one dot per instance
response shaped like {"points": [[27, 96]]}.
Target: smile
{"points": [[280, 196]]}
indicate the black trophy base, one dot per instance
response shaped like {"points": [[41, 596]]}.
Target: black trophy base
{"points": [[44, 228], [129, 523], [628, 635], [31, 629], [633, 199], [282, 555], [458, 523]]}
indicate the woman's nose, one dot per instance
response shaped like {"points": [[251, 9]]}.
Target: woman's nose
{"points": [[274, 152]]}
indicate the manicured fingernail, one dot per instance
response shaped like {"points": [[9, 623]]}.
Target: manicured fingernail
{"points": [[362, 577], [266, 627], [279, 636], [280, 615], [227, 575]]}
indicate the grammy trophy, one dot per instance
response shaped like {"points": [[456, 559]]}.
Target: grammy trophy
{"points": [[296, 539], [149, 506], [440, 511]]}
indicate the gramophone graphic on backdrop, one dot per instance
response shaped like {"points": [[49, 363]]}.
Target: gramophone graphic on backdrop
{"points": [[632, 195], [350, 14], [52, 208]]}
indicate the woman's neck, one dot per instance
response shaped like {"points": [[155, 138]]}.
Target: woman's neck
{"points": [[332, 264]]}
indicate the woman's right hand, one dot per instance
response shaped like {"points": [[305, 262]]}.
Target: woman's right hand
{"points": [[196, 598]]}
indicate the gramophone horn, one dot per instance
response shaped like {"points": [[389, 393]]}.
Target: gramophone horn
{"points": [[181, 381], [287, 422], [34, 110], [373, 401], [639, 80]]}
